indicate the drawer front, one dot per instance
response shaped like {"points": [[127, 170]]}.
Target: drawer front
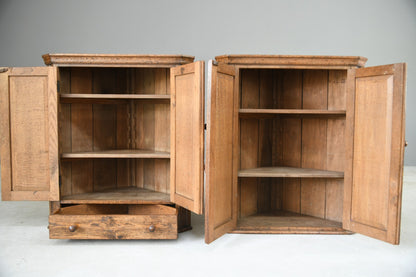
{"points": [[113, 226]]}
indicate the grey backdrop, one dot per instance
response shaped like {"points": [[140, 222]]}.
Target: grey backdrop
{"points": [[383, 31]]}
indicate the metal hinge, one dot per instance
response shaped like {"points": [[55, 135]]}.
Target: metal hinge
{"points": [[205, 126], [58, 86], [60, 180]]}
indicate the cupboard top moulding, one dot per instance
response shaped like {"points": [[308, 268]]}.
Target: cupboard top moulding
{"points": [[293, 61], [116, 60]]}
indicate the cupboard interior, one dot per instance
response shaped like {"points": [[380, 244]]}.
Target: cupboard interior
{"points": [[292, 151], [114, 135]]}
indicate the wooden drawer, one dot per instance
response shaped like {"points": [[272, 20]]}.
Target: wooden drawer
{"points": [[114, 222]]}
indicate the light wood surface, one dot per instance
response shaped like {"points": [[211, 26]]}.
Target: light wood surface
{"points": [[375, 134], [300, 112], [289, 172], [287, 223], [118, 154], [221, 152], [29, 134], [187, 136], [114, 222], [293, 61], [110, 98], [126, 195], [115, 60]]}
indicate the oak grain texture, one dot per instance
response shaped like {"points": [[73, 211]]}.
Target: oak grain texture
{"points": [[187, 136], [222, 149], [29, 134], [140, 222]]}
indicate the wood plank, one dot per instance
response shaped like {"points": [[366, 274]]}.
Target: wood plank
{"points": [[249, 141], [116, 60], [293, 61], [162, 132], [265, 140], [187, 136], [286, 223], [120, 153], [64, 130], [82, 131], [113, 226], [290, 97], [148, 85], [305, 112], [123, 134], [314, 145], [126, 195], [335, 144], [288, 172], [161, 95]]}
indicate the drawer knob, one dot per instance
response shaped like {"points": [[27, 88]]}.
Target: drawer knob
{"points": [[405, 143], [152, 228], [72, 228]]}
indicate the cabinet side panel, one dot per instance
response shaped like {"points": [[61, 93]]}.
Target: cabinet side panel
{"points": [[162, 131], [64, 123], [249, 142], [314, 135], [335, 144]]}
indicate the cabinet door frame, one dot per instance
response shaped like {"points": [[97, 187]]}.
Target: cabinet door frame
{"points": [[48, 110], [187, 129], [216, 202], [363, 86]]}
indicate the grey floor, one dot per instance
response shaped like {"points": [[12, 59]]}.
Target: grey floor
{"points": [[26, 250]]}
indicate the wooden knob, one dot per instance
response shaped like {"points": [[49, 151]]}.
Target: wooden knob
{"points": [[152, 228], [72, 228], [405, 143]]}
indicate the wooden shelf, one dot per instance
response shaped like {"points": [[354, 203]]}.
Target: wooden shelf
{"points": [[126, 195], [289, 112], [289, 172], [97, 98], [116, 154], [282, 222]]}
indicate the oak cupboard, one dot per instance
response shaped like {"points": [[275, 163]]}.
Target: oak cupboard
{"points": [[105, 139], [294, 144], [304, 144]]}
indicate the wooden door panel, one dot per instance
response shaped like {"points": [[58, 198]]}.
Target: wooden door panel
{"points": [[375, 149], [187, 136], [29, 148], [221, 152]]}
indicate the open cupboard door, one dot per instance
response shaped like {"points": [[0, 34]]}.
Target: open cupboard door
{"points": [[187, 136], [221, 152], [375, 148], [29, 134]]}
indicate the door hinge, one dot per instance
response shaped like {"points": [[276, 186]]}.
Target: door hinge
{"points": [[205, 126], [58, 86], [60, 180]]}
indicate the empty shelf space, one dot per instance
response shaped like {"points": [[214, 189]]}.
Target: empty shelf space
{"points": [[126, 195], [289, 112], [287, 222], [289, 172], [81, 97], [114, 154]]}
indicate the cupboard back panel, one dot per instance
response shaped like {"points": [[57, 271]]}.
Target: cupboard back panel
{"points": [[114, 125], [307, 142]]}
